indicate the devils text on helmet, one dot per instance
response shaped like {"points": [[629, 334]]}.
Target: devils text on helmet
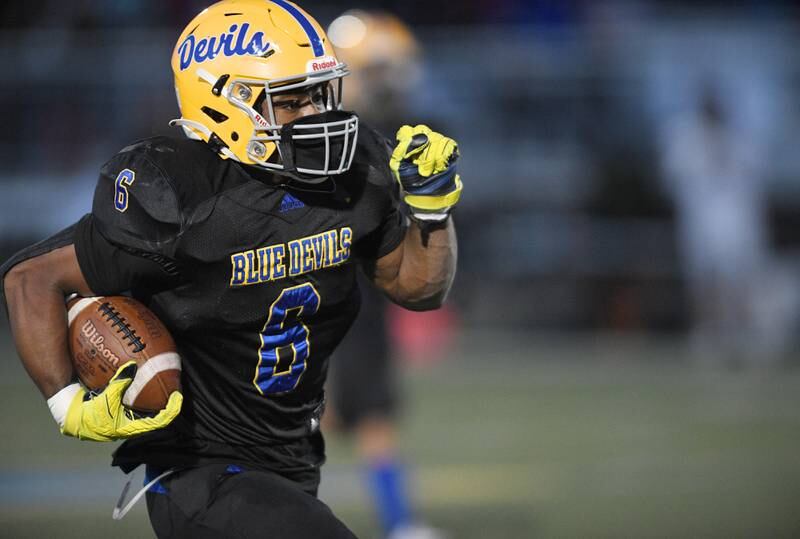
{"points": [[228, 43]]}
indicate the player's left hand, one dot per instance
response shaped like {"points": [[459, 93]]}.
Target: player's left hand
{"points": [[424, 162], [103, 417]]}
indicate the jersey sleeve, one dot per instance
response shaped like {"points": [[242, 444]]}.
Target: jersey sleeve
{"points": [[110, 269], [129, 240]]}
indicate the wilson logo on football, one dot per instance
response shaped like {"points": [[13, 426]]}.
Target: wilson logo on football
{"points": [[321, 64], [230, 43], [90, 332]]}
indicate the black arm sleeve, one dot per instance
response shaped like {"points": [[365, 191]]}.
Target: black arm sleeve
{"points": [[110, 268]]}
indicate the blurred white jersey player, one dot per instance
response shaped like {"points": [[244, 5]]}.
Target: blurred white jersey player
{"points": [[714, 174]]}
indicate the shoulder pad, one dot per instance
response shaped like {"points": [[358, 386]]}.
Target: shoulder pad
{"points": [[135, 203], [191, 167], [373, 141], [373, 152], [171, 176]]}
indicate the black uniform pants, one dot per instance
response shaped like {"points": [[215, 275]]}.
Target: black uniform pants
{"points": [[223, 501]]}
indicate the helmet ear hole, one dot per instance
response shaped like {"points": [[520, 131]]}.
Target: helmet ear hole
{"points": [[234, 136]]}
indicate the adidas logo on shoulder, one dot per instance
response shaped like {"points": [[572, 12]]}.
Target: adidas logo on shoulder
{"points": [[289, 202]]}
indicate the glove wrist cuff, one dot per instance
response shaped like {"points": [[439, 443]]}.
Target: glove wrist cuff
{"points": [[60, 402], [429, 218]]}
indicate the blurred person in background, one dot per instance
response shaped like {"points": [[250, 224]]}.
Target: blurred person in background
{"points": [[384, 58], [713, 171]]}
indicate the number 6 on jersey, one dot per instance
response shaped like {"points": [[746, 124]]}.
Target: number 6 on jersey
{"points": [[285, 344], [124, 180]]}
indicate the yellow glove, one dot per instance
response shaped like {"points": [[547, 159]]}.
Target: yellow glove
{"points": [[103, 417], [424, 162]]}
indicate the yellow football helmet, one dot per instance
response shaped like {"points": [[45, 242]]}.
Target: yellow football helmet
{"points": [[229, 62]]}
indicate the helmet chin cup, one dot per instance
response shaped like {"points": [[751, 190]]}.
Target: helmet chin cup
{"points": [[319, 145]]}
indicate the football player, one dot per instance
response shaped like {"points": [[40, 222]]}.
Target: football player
{"points": [[244, 238]]}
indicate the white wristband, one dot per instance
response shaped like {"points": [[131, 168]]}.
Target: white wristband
{"points": [[59, 403]]}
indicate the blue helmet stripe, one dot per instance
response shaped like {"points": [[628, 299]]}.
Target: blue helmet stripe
{"points": [[313, 36]]}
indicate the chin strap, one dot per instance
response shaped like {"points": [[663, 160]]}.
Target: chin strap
{"points": [[287, 152], [301, 179], [189, 128]]}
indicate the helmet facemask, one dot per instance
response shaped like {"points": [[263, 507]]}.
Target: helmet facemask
{"points": [[310, 148], [314, 147]]}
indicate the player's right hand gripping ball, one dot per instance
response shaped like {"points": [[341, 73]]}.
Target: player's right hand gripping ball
{"points": [[103, 417], [424, 162]]}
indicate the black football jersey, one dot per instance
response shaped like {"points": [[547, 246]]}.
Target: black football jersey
{"points": [[254, 278]]}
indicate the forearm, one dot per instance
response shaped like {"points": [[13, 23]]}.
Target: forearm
{"points": [[38, 320], [427, 267]]}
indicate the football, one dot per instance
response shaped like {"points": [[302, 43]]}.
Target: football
{"points": [[108, 331]]}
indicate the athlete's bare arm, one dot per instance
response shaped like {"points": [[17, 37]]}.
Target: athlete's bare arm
{"points": [[419, 272], [35, 290]]}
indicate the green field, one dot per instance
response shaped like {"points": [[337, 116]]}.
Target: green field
{"points": [[511, 437]]}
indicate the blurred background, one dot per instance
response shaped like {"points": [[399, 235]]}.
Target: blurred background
{"points": [[619, 353]]}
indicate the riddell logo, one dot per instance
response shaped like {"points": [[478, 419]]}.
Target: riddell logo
{"points": [[322, 64], [260, 120]]}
